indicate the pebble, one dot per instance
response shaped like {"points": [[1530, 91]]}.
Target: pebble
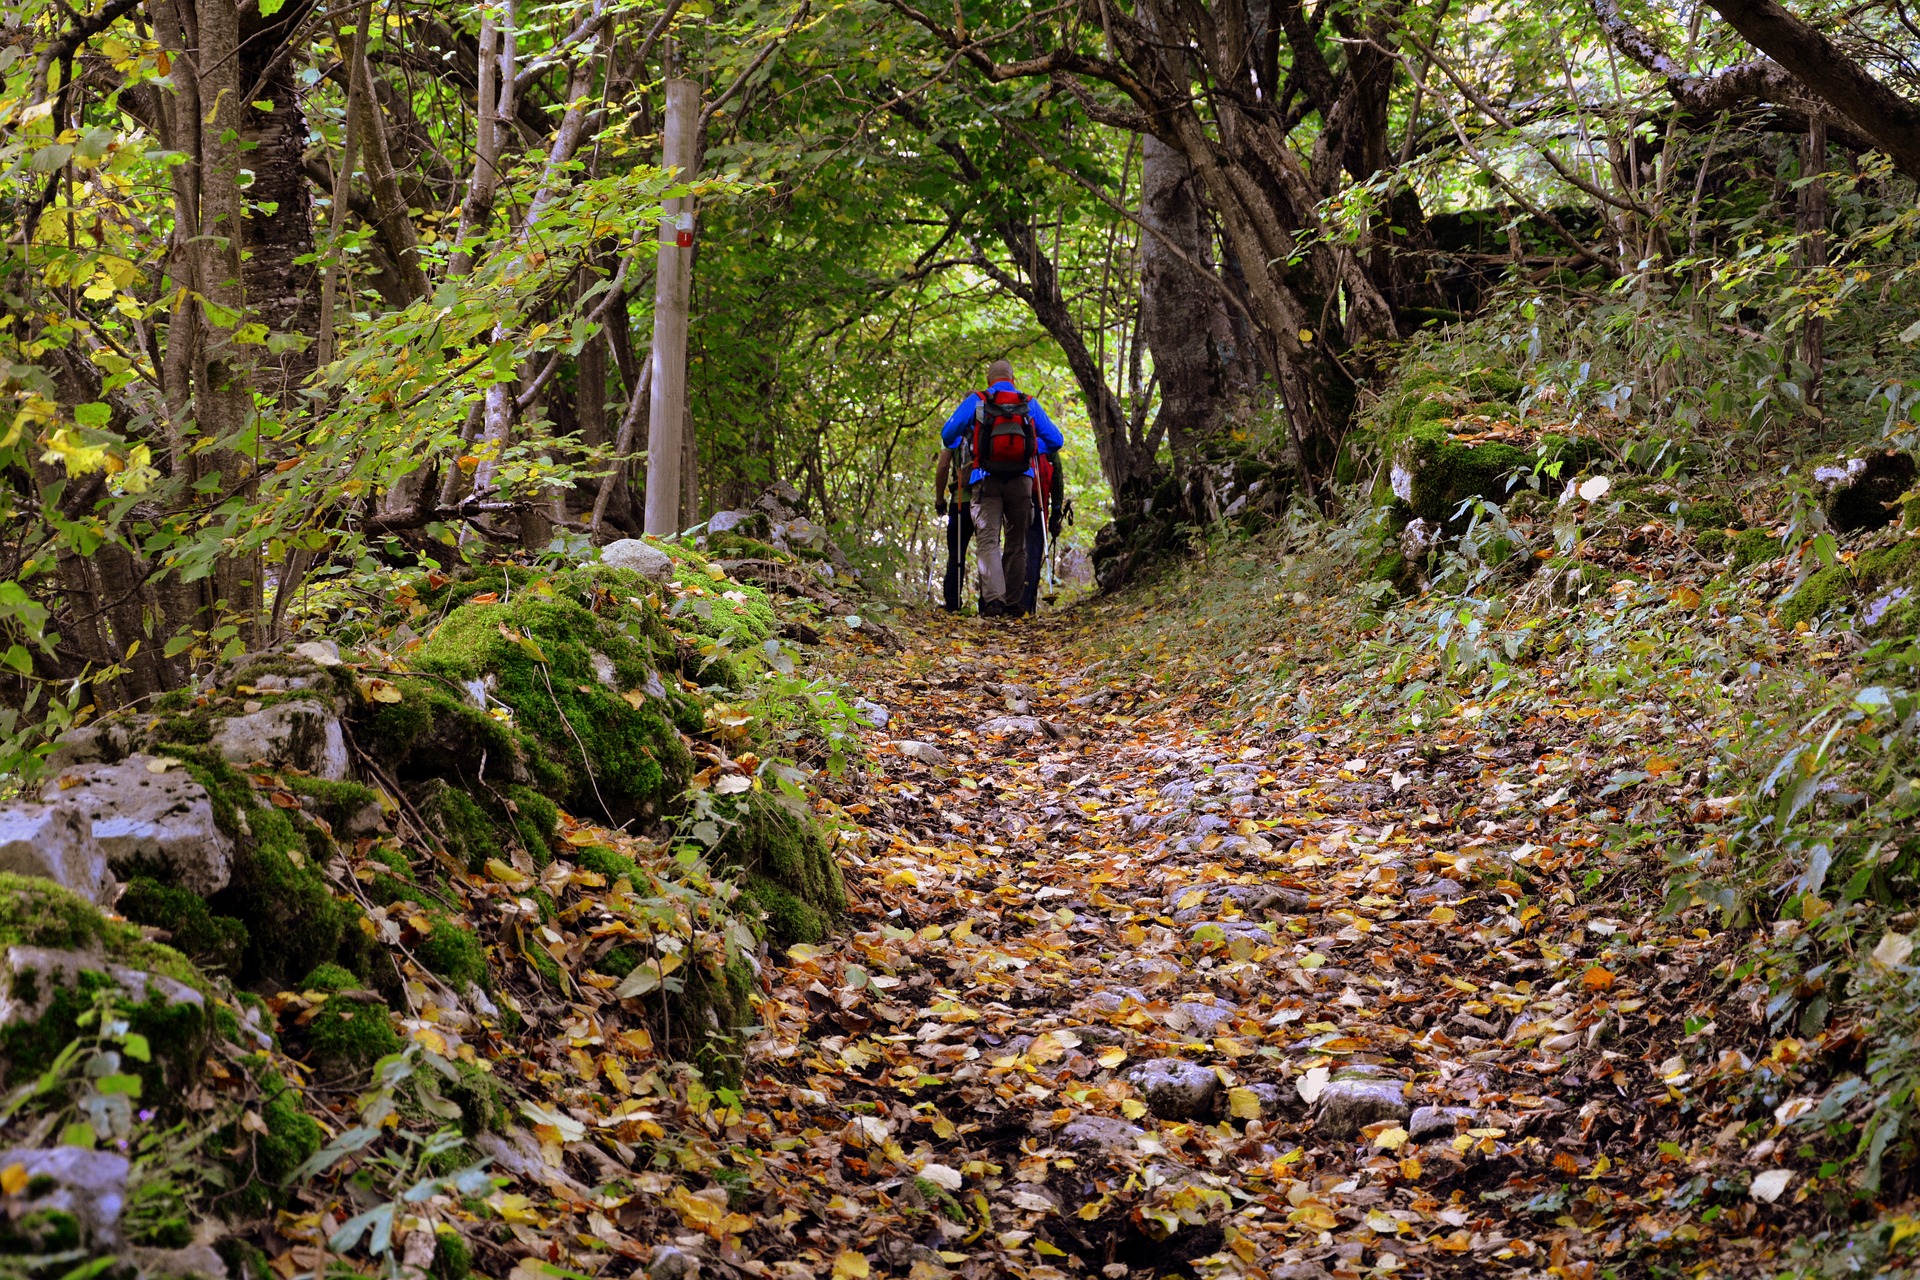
{"points": [[1437, 1122]]}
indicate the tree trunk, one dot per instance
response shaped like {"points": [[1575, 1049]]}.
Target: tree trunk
{"points": [[279, 224], [1182, 316], [673, 287]]}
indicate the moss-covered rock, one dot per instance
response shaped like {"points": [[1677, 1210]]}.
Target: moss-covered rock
{"points": [[788, 870], [1432, 474], [62, 957], [1751, 547], [563, 671]]}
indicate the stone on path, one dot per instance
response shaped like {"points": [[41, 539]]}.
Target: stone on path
{"points": [[1106, 1132], [1025, 726], [88, 1186], [1437, 1122], [1173, 1088], [1348, 1106], [924, 752]]}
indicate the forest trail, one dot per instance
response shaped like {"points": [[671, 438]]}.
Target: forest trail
{"points": [[1128, 996]]}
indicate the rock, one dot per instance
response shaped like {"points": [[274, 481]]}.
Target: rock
{"points": [[89, 1186], [672, 1263], [643, 558], [1106, 1132], [1437, 1122], [728, 521], [1418, 538], [1259, 934], [1442, 890], [872, 712], [1202, 1020], [103, 741], [195, 1262], [924, 752], [1274, 1100], [1209, 824], [1467, 1024], [303, 734], [1025, 726], [55, 842], [1301, 1271], [1348, 1106], [153, 819], [321, 653], [1174, 1089], [1860, 494], [31, 976]]}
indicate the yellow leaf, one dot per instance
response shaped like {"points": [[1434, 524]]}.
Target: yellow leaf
{"points": [[1133, 1108], [851, 1266], [1657, 765], [1191, 899], [508, 875], [1391, 1139], [1243, 1104], [1111, 1056], [1443, 915], [634, 698], [13, 1179], [1410, 1169], [1046, 1250]]}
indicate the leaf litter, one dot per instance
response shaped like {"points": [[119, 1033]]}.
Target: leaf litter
{"points": [[1132, 988]]}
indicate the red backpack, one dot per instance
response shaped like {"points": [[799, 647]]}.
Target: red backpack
{"points": [[1004, 443]]}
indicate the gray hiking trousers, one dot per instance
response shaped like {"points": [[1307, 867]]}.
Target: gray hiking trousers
{"points": [[1002, 506]]}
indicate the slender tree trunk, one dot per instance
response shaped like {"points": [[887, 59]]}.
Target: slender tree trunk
{"points": [[673, 288], [1813, 226], [278, 231]]}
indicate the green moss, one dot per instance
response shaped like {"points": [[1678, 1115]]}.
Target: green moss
{"points": [[347, 1035], [452, 1259], [279, 887], [396, 882], [482, 1102], [540, 652], [453, 951], [1752, 546], [789, 870], [1442, 472], [1711, 543], [39, 913], [608, 862], [1822, 593], [212, 942], [462, 825], [338, 802], [537, 820], [707, 1017], [1714, 513], [269, 1159]]}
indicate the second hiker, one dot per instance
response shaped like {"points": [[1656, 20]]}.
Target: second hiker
{"points": [[1002, 433]]}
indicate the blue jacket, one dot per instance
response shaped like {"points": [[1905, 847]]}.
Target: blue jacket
{"points": [[1047, 437]]}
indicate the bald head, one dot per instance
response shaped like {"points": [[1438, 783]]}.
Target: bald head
{"points": [[999, 371]]}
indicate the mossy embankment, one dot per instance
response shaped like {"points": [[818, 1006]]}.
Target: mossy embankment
{"points": [[549, 793]]}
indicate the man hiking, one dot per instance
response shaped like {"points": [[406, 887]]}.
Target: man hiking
{"points": [[952, 503], [1002, 433]]}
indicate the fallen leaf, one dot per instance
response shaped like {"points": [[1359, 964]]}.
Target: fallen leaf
{"points": [[1769, 1186]]}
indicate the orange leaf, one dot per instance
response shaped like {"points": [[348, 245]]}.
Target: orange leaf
{"points": [[1565, 1163], [1597, 978]]}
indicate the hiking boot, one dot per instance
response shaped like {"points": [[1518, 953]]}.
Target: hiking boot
{"points": [[993, 609]]}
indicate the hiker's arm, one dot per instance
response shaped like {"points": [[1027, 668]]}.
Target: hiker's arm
{"points": [[940, 482], [1049, 434], [950, 434]]}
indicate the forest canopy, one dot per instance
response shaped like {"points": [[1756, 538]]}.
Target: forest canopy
{"points": [[296, 293]]}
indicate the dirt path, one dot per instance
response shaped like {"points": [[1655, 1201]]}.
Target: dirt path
{"points": [[1125, 997]]}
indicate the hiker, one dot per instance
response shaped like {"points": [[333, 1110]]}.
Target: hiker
{"points": [[1044, 524], [952, 503], [1004, 432]]}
